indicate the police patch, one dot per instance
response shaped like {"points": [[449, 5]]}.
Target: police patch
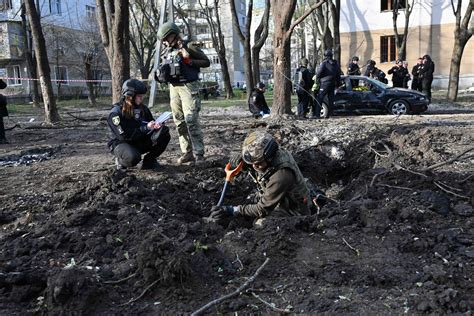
{"points": [[116, 120]]}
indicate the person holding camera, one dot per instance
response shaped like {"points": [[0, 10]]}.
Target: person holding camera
{"points": [[134, 131], [181, 71]]}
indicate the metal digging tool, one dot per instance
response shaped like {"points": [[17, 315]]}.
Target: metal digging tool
{"points": [[229, 175]]}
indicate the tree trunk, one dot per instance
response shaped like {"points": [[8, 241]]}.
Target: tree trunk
{"points": [[283, 11], [335, 12], [113, 18], [50, 109], [89, 76], [226, 77], [260, 36], [30, 60], [462, 34]]}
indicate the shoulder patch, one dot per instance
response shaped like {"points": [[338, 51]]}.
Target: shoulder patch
{"points": [[116, 120]]}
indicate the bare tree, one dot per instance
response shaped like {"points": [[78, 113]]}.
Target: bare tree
{"points": [[50, 109], [144, 25], [322, 17], [283, 11], [462, 34], [212, 14], [30, 58], [401, 44], [335, 9], [259, 38], [183, 15], [113, 17], [244, 37]]}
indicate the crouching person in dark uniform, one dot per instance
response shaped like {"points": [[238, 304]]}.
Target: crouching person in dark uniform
{"points": [[257, 103], [283, 191], [134, 131]]}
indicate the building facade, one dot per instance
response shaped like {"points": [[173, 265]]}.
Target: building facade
{"points": [[366, 29], [71, 33]]}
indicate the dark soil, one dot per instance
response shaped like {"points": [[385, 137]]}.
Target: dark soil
{"points": [[79, 237]]}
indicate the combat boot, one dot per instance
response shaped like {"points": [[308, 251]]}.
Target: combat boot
{"points": [[149, 163], [185, 158], [199, 159]]}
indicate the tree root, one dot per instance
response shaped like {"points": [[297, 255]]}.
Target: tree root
{"points": [[235, 293]]}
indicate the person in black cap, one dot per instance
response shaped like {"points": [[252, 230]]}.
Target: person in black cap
{"points": [[354, 70], [329, 76], [426, 75], [134, 131], [399, 74], [257, 103]]}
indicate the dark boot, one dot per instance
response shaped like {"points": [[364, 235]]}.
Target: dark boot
{"points": [[149, 162]]}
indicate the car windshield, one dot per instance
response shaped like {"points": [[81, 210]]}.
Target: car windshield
{"points": [[378, 83]]}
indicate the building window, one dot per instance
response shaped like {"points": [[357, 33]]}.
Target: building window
{"points": [[5, 5], [215, 59], [90, 11], [388, 5], [61, 75], [14, 72], [388, 49], [55, 7]]}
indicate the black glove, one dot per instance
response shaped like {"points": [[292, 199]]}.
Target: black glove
{"points": [[234, 160], [220, 213]]}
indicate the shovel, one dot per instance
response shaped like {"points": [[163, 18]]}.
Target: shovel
{"points": [[229, 175]]}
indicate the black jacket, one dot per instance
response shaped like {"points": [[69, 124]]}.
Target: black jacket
{"points": [[353, 69], [129, 130], [399, 74], [304, 79], [329, 71], [3, 100], [257, 102], [427, 70], [415, 71]]}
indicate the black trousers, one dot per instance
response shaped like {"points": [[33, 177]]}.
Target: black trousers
{"points": [[426, 87], [327, 89], [415, 84], [130, 154], [2, 128], [303, 103], [316, 108]]}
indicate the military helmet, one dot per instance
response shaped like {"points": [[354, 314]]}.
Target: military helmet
{"points": [[259, 146], [355, 58], [304, 61], [167, 29], [260, 85], [132, 87], [328, 53]]}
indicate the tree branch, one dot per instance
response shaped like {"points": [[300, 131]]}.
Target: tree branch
{"points": [[308, 12]]}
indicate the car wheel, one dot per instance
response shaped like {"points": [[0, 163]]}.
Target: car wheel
{"points": [[399, 107], [324, 110]]}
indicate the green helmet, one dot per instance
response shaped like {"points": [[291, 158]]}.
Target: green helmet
{"points": [[304, 61], [259, 146], [167, 29]]}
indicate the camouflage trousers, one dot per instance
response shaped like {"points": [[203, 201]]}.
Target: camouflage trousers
{"points": [[185, 105]]}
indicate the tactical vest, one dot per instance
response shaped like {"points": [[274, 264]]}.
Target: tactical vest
{"points": [[187, 73], [297, 199]]}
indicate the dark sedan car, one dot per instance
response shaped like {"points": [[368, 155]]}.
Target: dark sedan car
{"points": [[361, 94]]}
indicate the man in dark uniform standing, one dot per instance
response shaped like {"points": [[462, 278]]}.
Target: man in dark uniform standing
{"points": [[329, 76], [304, 79], [398, 73], [257, 103], [426, 75], [354, 70], [415, 71]]}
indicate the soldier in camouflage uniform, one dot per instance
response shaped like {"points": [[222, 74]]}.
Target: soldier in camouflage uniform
{"points": [[283, 191], [181, 70]]}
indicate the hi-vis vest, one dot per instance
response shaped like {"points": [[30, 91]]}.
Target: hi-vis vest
{"points": [[297, 200]]}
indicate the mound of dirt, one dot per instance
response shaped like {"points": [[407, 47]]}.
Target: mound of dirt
{"points": [[397, 236]]}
